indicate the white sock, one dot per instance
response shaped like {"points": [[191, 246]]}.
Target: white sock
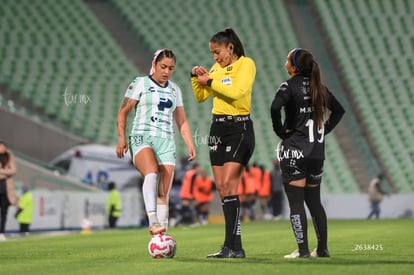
{"points": [[150, 194], [163, 215]]}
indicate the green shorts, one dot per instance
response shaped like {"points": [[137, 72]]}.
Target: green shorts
{"points": [[164, 149]]}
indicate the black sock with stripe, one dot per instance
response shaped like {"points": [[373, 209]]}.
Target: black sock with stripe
{"points": [[298, 219], [231, 210]]}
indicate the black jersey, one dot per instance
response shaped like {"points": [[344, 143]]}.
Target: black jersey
{"points": [[304, 138]]}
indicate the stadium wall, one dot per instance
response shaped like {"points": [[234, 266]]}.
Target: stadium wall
{"points": [[65, 210], [28, 135], [59, 210]]}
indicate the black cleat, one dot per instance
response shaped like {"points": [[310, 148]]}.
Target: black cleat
{"points": [[226, 252]]}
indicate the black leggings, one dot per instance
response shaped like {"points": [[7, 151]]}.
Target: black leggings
{"points": [[4, 205]]}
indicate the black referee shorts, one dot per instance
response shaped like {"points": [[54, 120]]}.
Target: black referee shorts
{"points": [[231, 140], [297, 169]]}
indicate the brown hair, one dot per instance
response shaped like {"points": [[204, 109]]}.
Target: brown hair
{"points": [[306, 65]]}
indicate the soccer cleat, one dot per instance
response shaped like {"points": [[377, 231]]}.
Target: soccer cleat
{"points": [[226, 252], [320, 254], [156, 228], [2, 238], [295, 254]]}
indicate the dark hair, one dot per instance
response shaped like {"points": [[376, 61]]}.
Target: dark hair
{"points": [[4, 159], [161, 54], [111, 185], [164, 53], [229, 36], [306, 65]]}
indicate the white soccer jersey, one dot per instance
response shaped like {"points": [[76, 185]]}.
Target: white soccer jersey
{"points": [[156, 104]]}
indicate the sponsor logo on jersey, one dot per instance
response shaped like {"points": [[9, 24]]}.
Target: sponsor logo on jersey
{"points": [[165, 103], [160, 120]]}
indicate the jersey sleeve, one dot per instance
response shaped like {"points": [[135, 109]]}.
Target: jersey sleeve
{"points": [[134, 89], [179, 97], [337, 111], [201, 93], [281, 99], [240, 86]]}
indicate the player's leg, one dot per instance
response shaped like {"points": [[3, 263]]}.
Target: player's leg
{"points": [[231, 175], [4, 205], [203, 209], [166, 178], [376, 209], [295, 195], [146, 163], [314, 203], [294, 179]]}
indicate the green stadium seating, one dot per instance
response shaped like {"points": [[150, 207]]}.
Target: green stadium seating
{"points": [[374, 47], [62, 47]]}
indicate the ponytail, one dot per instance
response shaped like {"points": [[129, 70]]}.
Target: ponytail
{"points": [[319, 95], [306, 65]]}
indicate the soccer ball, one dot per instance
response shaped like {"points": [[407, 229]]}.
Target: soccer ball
{"points": [[162, 246]]}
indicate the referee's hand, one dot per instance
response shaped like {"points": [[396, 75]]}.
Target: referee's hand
{"points": [[200, 70]]}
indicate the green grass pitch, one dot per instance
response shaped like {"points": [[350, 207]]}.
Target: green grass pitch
{"points": [[356, 246]]}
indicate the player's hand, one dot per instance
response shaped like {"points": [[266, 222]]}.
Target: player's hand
{"points": [[121, 148], [191, 153]]}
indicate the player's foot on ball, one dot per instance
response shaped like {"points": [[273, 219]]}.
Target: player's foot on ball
{"points": [[226, 252], [156, 228], [295, 254], [320, 254]]}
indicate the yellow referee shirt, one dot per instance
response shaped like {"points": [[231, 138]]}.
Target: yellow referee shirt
{"points": [[231, 87]]}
